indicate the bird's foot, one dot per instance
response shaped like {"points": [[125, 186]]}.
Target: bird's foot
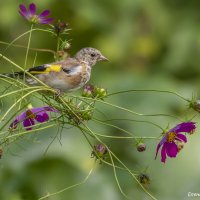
{"points": [[57, 93]]}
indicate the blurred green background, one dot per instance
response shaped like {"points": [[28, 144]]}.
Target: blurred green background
{"points": [[151, 45]]}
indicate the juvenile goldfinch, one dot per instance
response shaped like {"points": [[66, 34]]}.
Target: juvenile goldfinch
{"points": [[65, 75]]}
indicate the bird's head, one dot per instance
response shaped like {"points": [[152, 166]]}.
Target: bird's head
{"points": [[90, 55]]}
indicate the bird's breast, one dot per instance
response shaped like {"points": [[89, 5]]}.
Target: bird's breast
{"points": [[86, 75]]}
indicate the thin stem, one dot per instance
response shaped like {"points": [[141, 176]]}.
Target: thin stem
{"points": [[128, 170], [132, 112], [23, 34], [20, 68], [17, 91], [33, 49], [132, 120], [58, 44], [67, 188], [19, 100], [29, 131], [146, 90], [133, 175], [28, 46], [115, 175]]}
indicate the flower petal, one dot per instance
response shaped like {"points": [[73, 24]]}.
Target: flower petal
{"points": [[14, 124], [17, 120], [159, 145], [42, 117], [42, 109], [163, 153], [181, 137], [171, 149], [51, 109], [32, 9], [44, 14], [184, 127], [45, 21], [23, 11], [27, 123], [22, 8], [157, 149]]}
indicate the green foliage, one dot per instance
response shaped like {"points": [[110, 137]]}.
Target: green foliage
{"points": [[150, 45]]}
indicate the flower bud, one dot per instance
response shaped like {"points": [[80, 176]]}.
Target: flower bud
{"points": [[195, 105], [144, 179], [141, 147], [88, 91], [100, 92], [86, 115], [60, 27], [99, 151]]}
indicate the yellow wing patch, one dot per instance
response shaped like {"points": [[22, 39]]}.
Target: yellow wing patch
{"points": [[49, 68], [53, 68]]}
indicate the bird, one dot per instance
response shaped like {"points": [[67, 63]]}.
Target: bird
{"points": [[66, 75]]}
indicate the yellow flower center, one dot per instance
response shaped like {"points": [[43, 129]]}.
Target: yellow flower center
{"points": [[30, 114], [34, 19], [171, 136]]}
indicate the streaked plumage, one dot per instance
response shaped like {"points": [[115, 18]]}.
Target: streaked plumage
{"points": [[66, 75]]}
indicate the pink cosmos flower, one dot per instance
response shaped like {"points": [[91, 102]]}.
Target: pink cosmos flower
{"points": [[170, 139], [30, 116], [30, 14]]}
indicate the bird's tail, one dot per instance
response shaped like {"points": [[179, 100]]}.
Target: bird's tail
{"points": [[12, 75]]}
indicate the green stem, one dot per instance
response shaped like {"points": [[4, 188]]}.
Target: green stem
{"points": [[129, 111], [33, 49], [146, 90], [29, 74], [28, 46], [58, 44], [23, 34], [67, 188]]}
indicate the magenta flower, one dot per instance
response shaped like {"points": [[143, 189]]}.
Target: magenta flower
{"points": [[30, 14], [170, 139], [31, 115]]}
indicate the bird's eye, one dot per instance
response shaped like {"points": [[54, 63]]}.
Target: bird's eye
{"points": [[92, 54]]}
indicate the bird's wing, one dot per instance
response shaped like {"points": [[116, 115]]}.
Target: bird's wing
{"points": [[69, 66], [45, 69]]}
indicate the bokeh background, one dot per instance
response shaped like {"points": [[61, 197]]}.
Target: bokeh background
{"points": [[151, 45]]}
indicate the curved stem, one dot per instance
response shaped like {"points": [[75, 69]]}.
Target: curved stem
{"points": [[130, 111], [33, 49], [20, 68], [146, 90], [23, 34], [132, 120], [19, 100], [67, 188]]}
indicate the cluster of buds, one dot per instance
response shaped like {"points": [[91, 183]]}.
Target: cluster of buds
{"points": [[60, 28], [99, 152], [77, 114], [76, 117], [94, 92]]}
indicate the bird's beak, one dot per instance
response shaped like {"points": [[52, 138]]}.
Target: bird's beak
{"points": [[103, 58]]}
